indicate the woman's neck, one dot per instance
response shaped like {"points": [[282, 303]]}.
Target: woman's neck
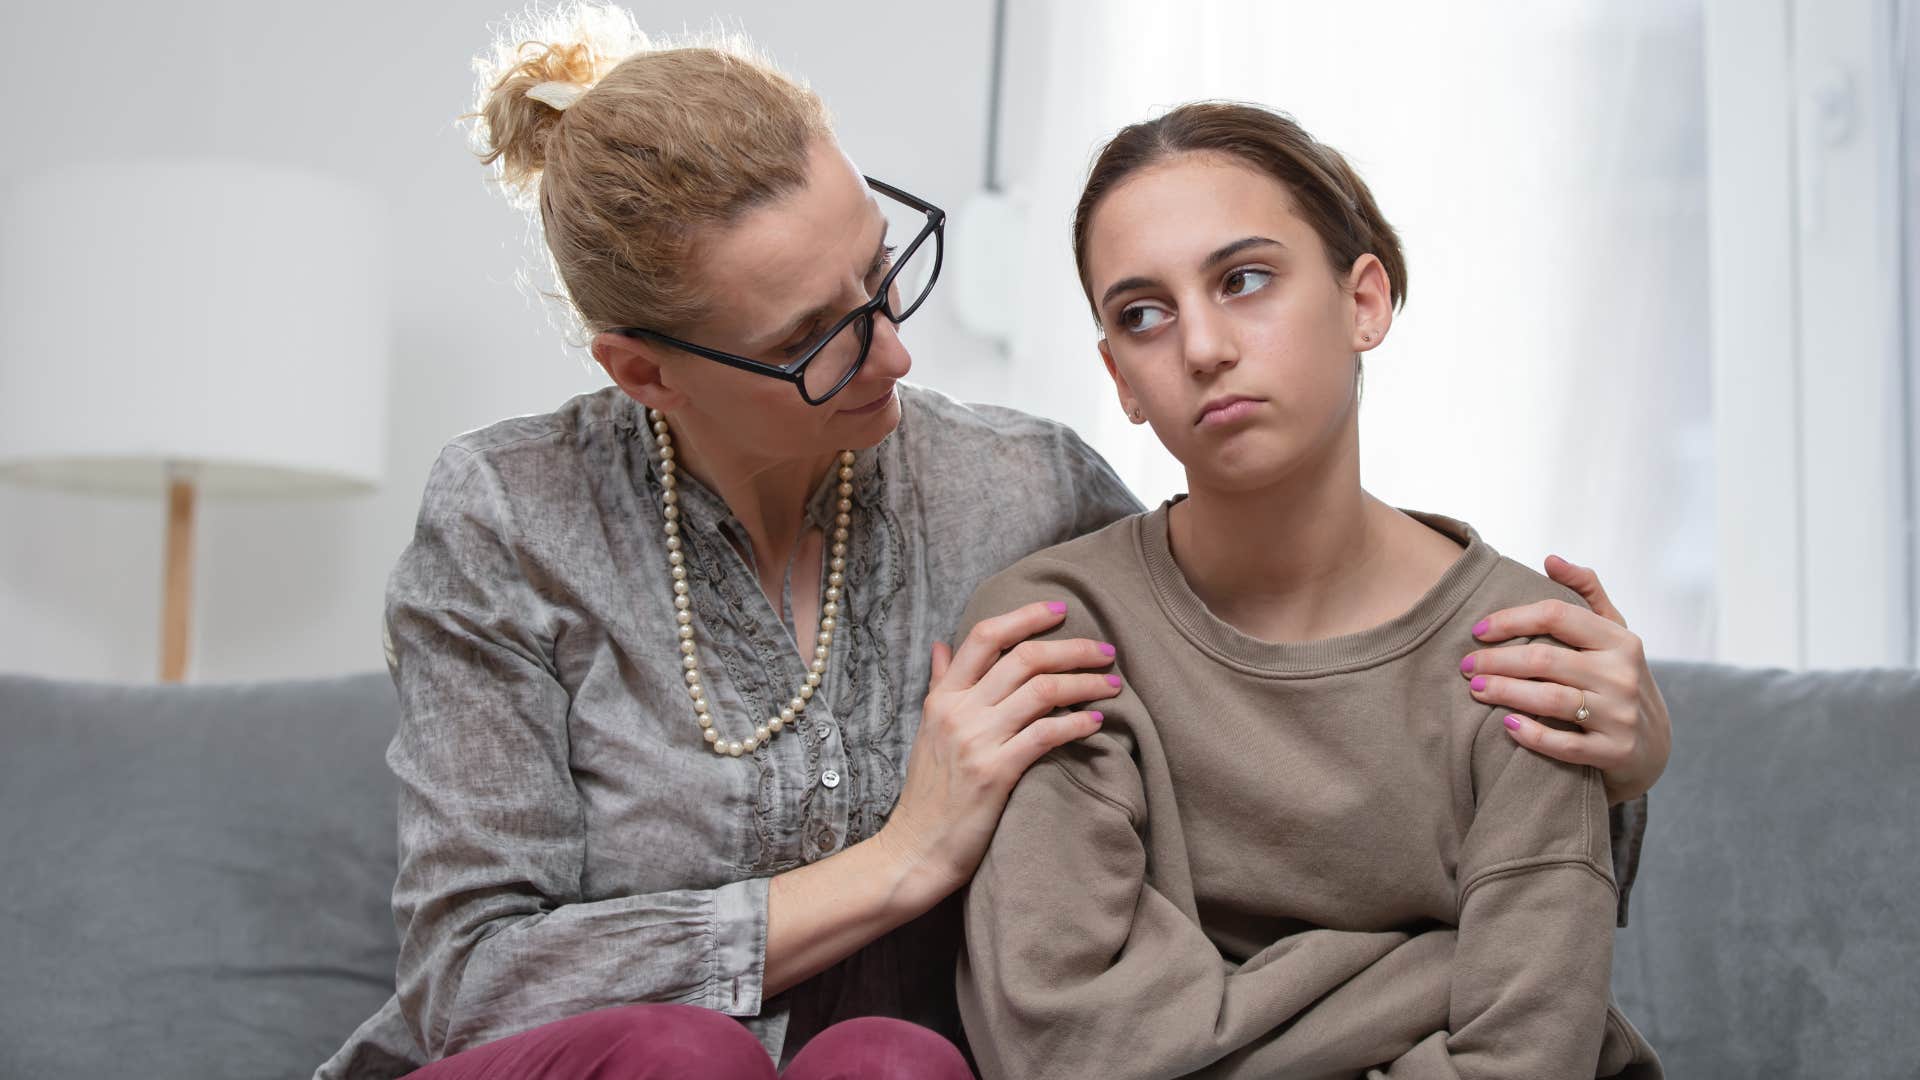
{"points": [[767, 495], [1309, 557]]}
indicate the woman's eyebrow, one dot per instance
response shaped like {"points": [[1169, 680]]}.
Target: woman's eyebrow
{"points": [[1219, 255], [827, 310]]}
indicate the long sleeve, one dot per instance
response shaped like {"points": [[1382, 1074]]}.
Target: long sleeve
{"points": [[1537, 900], [1077, 966], [495, 935]]}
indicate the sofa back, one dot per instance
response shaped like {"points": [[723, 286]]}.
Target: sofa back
{"points": [[1775, 927], [196, 879]]}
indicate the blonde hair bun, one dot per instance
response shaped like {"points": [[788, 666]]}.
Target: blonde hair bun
{"points": [[541, 63]]}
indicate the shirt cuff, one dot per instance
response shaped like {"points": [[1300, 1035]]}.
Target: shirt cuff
{"points": [[737, 927]]}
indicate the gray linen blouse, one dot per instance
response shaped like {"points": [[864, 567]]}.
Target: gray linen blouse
{"points": [[567, 840]]}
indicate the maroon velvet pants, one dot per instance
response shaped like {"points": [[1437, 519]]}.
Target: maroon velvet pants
{"points": [[682, 1042]]}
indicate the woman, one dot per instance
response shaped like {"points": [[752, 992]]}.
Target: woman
{"points": [[1299, 846], [665, 742]]}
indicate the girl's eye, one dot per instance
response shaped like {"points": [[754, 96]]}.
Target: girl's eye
{"points": [[1139, 318], [1244, 281]]}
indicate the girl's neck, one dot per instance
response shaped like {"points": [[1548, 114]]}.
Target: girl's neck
{"points": [[1308, 557]]}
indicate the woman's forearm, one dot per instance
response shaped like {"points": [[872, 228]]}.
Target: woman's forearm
{"points": [[821, 913]]}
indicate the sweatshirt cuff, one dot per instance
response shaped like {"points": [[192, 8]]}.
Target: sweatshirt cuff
{"points": [[737, 927]]}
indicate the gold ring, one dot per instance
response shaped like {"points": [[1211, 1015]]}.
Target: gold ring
{"points": [[1580, 714]]}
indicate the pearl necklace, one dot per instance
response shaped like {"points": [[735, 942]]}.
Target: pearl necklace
{"points": [[683, 604]]}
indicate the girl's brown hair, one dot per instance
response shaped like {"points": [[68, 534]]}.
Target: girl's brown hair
{"points": [[628, 150], [1328, 195]]}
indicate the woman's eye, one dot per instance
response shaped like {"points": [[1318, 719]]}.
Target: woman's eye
{"points": [[883, 264], [1242, 282], [1140, 318]]}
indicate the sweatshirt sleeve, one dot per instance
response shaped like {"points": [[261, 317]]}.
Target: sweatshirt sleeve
{"points": [[1079, 964], [495, 936], [1536, 917]]}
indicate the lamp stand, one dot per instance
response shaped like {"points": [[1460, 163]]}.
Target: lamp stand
{"points": [[176, 613]]}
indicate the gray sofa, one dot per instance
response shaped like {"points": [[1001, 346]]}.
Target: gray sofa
{"points": [[196, 878]]}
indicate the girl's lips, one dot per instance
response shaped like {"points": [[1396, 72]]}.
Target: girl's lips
{"points": [[1229, 413]]}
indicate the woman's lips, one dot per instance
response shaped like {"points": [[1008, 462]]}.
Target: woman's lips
{"points": [[1228, 412], [873, 406]]}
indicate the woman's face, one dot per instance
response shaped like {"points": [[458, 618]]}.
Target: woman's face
{"points": [[1224, 323], [773, 282]]}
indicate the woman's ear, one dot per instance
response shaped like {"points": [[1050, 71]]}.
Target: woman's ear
{"points": [[1372, 296], [634, 366], [1128, 403]]}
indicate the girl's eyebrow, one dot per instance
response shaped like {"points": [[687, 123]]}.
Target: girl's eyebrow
{"points": [[1219, 255]]}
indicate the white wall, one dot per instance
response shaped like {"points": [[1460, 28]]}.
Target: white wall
{"points": [[368, 91]]}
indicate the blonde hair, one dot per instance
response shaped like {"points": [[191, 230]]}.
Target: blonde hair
{"points": [[628, 149]]}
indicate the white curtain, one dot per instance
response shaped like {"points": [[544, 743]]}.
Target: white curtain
{"points": [[1544, 164]]}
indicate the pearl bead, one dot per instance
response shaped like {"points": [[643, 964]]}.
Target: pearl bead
{"points": [[833, 592], [710, 735], [681, 602], [670, 497], [820, 653], [786, 715], [674, 558], [813, 678], [683, 616], [666, 453], [693, 677], [673, 543], [735, 749], [679, 573], [817, 666], [680, 587], [846, 457], [836, 578], [840, 536], [845, 505], [774, 725], [687, 646], [696, 692], [839, 562], [659, 425], [842, 520], [825, 638], [846, 489], [799, 702], [672, 513], [828, 623], [764, 731], [673, 530], [720, 746], [748, 744], [669, 481], [689, 662]]}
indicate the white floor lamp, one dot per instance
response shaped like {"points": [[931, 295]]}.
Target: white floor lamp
{"points": [[191, 328]]}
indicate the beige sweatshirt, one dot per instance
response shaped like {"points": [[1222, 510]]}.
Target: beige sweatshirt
{"points": [[1290, 860]]}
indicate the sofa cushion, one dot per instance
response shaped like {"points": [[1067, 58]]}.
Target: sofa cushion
{"points": [[197, 878], [1776, 920]]}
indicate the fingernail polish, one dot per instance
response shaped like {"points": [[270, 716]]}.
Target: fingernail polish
{"points": [[1057, 608], [1098, 717], [1113, 680], [1479, 682], [1466, 665], [1106, 649], [1513, 723], [1481, 627]]}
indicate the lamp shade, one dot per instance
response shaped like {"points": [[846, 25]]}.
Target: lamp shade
{"points": [[220, 315]]}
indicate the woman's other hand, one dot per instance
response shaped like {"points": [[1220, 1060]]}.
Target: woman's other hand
{"points": [[1626, 733]]}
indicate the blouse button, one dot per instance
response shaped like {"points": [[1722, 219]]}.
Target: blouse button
{"points": [[830, 779]]}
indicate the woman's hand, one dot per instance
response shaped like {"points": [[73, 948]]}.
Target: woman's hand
{"points": [[1626, 734], [986, 719]]}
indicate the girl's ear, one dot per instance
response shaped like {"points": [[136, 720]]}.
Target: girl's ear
{"points": [[1372, 297]]}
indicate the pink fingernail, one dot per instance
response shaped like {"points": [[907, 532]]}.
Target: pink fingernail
{"points": [[1513, 723], [1113, 680], [1481, 627], [1466, 665], [1479, 682], [1106, 649], [1057, 608], [1098, 717]]}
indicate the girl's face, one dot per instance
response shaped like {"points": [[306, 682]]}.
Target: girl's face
{"points": [[773, 282], [1224, 323]]}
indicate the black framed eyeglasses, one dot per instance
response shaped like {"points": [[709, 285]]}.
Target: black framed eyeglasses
{"points": [[823, 364]]}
